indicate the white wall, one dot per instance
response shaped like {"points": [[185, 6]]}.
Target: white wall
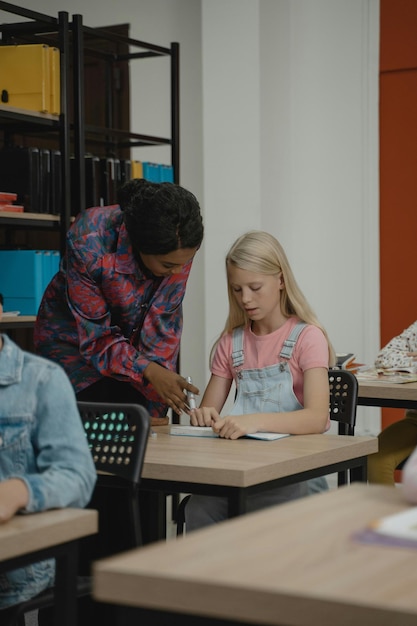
{"points": [[279, 131], [297, 81]]}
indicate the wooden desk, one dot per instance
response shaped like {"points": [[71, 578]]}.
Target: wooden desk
{"points": [[293, 565], [388, 395], [53, 534], [239, 468], [20, 321]]}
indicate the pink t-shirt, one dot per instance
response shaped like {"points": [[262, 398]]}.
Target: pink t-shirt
{"points": [[311, 350]]}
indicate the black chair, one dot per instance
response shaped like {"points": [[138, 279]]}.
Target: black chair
{"points": [[117, 435], [343, 387], [343, 400], [343, 403]]}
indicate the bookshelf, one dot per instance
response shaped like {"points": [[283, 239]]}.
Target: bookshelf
{"points": [[73, 131]]}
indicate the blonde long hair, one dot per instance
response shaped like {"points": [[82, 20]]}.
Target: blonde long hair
{"points": [[258, 251]]}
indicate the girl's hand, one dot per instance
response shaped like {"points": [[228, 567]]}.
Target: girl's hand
{"points": [[204, 416], [413, 355], [235, 426]]}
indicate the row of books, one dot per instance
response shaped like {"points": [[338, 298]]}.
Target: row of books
{"points": [[103, 177], [24, 276], [30, 77], [35, 176]]}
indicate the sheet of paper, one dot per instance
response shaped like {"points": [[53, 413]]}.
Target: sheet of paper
{"points": [[192, 431]]}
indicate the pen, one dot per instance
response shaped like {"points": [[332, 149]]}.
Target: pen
{"points": [[190, 396]]}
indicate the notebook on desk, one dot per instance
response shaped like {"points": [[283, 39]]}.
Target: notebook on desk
{"points": [[207, 431]]}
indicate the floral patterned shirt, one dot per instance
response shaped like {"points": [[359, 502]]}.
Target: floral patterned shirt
{"points": [[394, 354], [92, 308]]}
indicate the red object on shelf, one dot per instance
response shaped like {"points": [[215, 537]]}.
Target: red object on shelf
{"points": [[7, 197], [15, 208]]}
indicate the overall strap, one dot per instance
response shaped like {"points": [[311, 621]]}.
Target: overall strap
{"points": [[289, 343], [237, 347]]}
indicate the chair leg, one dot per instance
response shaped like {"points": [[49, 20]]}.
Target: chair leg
{"points": [[181, 515], [174, 506], [134, 506], [342, 479]]}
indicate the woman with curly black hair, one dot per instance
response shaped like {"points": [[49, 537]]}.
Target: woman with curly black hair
{"points": [[112, 315]]}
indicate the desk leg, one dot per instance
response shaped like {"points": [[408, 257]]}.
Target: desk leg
{"points": [[153, 512], [65, 612], [360, 473], [237, 502]]}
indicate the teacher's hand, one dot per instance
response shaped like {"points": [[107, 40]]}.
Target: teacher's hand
{"points": [[170, 386]]}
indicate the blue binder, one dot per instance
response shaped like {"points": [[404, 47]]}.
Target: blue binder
{"points": [[21, 280], [50, 266], [151, 172], [166, 173]]}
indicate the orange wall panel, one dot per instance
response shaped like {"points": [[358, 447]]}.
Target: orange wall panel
{"points": [[398, 34], [398, 171], [398, 202]]}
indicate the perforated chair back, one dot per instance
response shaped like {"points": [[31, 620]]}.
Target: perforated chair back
{"points": [[343, 400], [343, 404], [117, 435]]}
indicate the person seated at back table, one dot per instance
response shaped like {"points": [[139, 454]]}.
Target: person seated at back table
{"points": [[409, 482], [398, 440], [45, 461]]}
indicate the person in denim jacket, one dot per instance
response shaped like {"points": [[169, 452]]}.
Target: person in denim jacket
{"points": [[45, 461]]}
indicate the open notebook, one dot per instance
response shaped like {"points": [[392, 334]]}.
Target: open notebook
{"points": [[398, 530], [207, 431]]}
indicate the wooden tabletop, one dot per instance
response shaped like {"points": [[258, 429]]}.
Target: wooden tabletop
{"points": [[245, 462], [295, 564], [381, 393], [27, 533]]}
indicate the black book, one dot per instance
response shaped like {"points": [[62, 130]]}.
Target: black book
{"points": [[20, 174], [44, 180], [92, 181], [56, 183], [125, 170]]}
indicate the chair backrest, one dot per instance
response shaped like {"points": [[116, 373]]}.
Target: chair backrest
{"points": [[117, 435], [343, 399]]}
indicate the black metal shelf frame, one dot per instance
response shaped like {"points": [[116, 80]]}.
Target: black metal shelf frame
{"points": [[60, 27], [109, 136], [66, 36]]}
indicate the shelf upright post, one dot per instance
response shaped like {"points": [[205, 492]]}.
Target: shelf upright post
{"points": [[79, 198], [64, 128], [175, 110]]}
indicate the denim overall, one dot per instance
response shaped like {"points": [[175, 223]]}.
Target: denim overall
{"points": [[265, 390]]}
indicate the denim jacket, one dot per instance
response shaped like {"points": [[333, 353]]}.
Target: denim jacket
{"points": [[42, 441]]}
